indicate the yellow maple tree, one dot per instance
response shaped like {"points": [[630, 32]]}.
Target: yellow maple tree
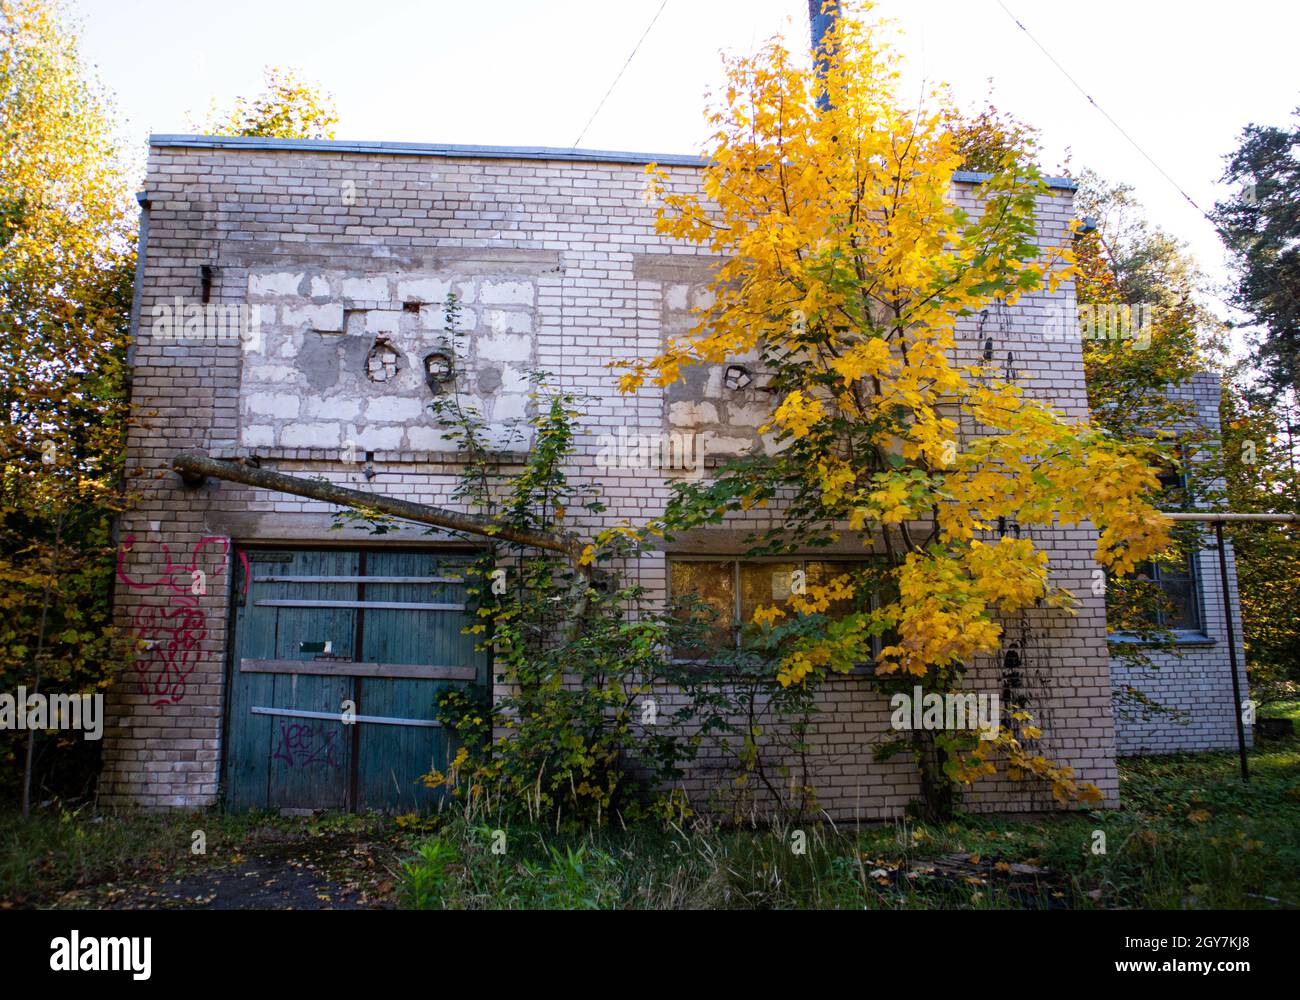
{"points": [[846, 263]]}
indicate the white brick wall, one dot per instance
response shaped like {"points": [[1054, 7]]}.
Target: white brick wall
{"points": [[1194, 681]]}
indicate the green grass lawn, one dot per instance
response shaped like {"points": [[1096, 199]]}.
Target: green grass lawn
{"points": [[1283, 710], [1189, 835]]}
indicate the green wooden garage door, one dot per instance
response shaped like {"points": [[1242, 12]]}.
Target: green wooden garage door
{"points": [[393, 622]]}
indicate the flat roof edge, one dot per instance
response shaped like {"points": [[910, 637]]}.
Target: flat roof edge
{"points": [[481, 152], [422, 149], [976, 177]]}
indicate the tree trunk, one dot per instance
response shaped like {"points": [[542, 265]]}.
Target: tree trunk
{"points": [[938, 800], [30, 751], [195, 466]]}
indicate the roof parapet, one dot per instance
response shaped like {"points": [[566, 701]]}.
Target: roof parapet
{"points": [[376, 147]]}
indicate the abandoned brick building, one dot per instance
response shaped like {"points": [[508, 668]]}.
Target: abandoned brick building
{"points": [[343, 252]]}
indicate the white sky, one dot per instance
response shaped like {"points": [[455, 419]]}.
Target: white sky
{"points": [[1181, 77]]}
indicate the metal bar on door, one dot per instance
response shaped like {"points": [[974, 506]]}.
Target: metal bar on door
{"points": [[359, 579], [359, 668], [371, 605], [383, 720]]}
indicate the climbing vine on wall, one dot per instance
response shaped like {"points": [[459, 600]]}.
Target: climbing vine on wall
{"points": [[593, 725]]}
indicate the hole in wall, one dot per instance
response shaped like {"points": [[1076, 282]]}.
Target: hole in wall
{"points": [[381, 362], [437, 370], [738, 377]]}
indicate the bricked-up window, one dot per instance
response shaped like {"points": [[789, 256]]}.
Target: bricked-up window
{"points": [[736, 588]]}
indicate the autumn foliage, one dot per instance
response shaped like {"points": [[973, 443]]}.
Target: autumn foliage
{"points": [[67, 250], [847, 264]]}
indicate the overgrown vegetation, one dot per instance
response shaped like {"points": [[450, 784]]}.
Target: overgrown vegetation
{"points": [[1189, 835], [67, 251], [582, 736]]}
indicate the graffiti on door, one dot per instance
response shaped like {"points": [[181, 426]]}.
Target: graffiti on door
{"points": [[302, 745]]}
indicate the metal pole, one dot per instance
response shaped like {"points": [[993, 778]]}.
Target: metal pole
{"points": [[822, 15], [1229, 518], [1232, 651]]}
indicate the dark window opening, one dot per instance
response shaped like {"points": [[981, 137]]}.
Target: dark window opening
{"points": [[1177, 583], [1179, 607], [736, 588]]}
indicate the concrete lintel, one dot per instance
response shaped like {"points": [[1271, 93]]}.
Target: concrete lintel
{"points": [[675, 268]]}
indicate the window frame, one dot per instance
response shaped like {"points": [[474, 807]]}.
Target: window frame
{"points": [[736, 562], [1196, 625], [1195, 633]]}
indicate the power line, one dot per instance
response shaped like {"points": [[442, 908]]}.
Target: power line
{"points": [[635, 48], [1225, 236], [1220, 230], [1118, 127]]}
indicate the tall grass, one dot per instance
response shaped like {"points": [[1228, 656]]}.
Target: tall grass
{"points": [[1189, 835]]}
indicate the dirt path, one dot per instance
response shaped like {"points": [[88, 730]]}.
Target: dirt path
{"points": [[342, 872]]}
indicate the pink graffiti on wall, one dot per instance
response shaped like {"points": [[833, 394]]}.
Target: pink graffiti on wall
{"points": [[173, 631]]}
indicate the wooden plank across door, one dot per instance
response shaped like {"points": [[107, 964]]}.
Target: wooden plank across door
{"points": [[359, 579]]}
